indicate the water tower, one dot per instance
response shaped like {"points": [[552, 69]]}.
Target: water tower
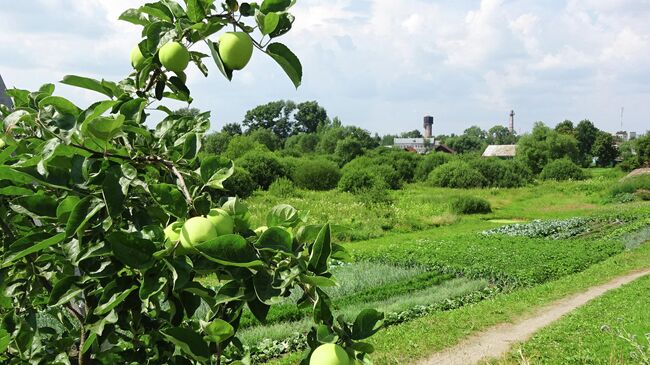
{"points": [[428, 126]]}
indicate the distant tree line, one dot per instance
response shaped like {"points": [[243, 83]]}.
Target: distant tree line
{"points": [[299, 144]]}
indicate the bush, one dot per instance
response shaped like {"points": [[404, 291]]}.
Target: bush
{"points": [[266, 137], [356, 181], [457, 174], [632, 185], [283, 188], [403, 162], [264, 167], [238, 146], [240, 184], [429, 163], [347, 149], [470, 205], [378, 167], [318, 174], [502, 173], [561, 170], [376, 196]]}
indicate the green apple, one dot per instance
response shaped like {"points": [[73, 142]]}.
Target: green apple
{"points": [[223, 223], [174, 56], [2, 143], [195, 231], [173, 231], [136, 57], [235, 49], [329, 354]]}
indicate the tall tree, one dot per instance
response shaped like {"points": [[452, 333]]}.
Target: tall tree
{"points": [[604, 149], [544, 145], [411, 134], [388, 140], [275, 116], [565, 127], [233, 129], [585, 133], [501, 135], [216, 143], [309, 117]]}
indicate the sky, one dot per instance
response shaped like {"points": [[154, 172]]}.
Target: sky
{"points": [[381, 64]]}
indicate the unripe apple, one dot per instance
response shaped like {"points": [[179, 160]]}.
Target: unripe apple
{"points": [[236, 49], [136, 57], [195, 231], [174, 56], [173, 232], [223, 223], [2, 143], [329, 354]]}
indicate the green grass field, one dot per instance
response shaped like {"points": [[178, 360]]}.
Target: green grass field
{"points": [[445, 275]]}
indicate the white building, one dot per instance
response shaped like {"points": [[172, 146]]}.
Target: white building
{"points": [[420, 145]]}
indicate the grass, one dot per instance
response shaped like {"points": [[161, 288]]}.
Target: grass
{"points": [[418, 338], [595, 333], [419, 207], [432, 294]]}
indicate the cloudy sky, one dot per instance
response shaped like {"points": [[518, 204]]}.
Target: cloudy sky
{"points": [[382, 64]]}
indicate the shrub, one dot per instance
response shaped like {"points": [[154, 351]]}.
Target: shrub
{"points": [[502, 173], [356, 181], [632, 185], [387, 173], [264, 167], [470, 205], [283, 188], [347, 149], [317, 174], [265, 137], [429, 163], [375, 196], [457, 174], [238, 146], [563, 169], [240, 184], [403, 162]]}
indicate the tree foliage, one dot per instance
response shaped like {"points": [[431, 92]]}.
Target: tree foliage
{"points": [[544, 145], [309, 117], [275, 116], [89, 272], [604, 150]]}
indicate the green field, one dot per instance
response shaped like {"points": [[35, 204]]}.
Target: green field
{"points": [[447, 275]]}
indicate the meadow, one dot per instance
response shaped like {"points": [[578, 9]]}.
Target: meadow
{"points": [[428, 267]]}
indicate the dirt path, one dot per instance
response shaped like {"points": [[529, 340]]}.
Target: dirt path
{"points": [[496, 341]]}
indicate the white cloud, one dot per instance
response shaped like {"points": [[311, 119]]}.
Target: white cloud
{"points": [[375, 62]]}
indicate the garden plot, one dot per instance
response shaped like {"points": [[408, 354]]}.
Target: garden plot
{"points": [[402, 293], [557, 229]]}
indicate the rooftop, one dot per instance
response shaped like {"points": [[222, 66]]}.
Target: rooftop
{"points": [[500, 150]]}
